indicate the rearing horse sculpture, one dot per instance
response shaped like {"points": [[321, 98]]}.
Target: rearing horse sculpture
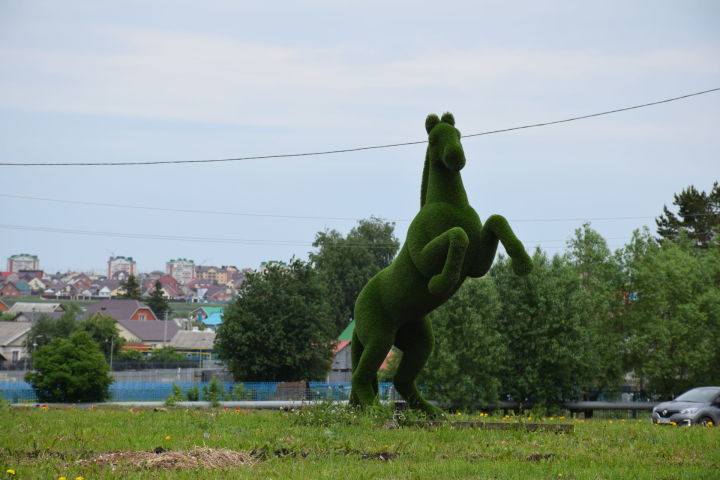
{"points": [[445, 244]]}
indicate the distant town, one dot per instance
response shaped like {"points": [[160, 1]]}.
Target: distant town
{"points": [[182, 280]]}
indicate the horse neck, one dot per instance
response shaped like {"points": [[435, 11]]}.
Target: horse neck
{"points": [[442, 185]]}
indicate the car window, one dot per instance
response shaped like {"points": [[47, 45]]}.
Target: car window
{"points": [[698, 395]]}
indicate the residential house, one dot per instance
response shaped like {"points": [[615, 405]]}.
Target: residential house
{"points": [[194, 344], [23, 288], [218, 293], [214, 320], [170, 287], [27, 275], [10, 290], [150, 334], [121, 309], [109, 288], [36, 285], [35, 316], [36, 307], [204, 312], [12, 341], [341, 368]]}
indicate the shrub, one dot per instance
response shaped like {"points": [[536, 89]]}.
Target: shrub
{"points": [[193, 394], [175, 396], [70, 370]]}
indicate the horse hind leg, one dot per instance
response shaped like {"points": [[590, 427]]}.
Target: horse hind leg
{"points": [[416, 342]]}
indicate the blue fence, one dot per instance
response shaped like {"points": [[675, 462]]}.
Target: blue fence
{"points": [[22, 392]]}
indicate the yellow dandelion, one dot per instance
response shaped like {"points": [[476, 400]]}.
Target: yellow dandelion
{"points": [[710, 423], [62, 478], [561, 418], [610, 421], [552, 418], [10, 471], [80, 478], [167, 437], [673, 423]]}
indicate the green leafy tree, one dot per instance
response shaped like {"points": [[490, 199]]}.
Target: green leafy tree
{"points": [[470, 354], [70, 370], [542, 324], [132, 289], [674, 317], [279, 328], [103, 330], [44, 330], [698, 216], [600, 299], [158, 303], [346, 263]]}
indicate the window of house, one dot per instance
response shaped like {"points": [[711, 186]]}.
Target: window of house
{"points": [[15, 356], [142, 316]]}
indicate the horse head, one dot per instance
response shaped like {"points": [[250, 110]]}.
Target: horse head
{"points": [[444, 148]]}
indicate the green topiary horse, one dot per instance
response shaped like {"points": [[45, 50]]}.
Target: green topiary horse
{"points": [[445, 244]]}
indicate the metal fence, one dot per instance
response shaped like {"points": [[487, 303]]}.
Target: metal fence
{"points": [[22, 392]]}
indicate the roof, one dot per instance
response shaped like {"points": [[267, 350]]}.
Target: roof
{"points": [[151, 331], [347, 333], [208, 310], [34, 316], [29, 307], [12, 331], [214, 318], [119, 309], [184, 339], [22, 255]]}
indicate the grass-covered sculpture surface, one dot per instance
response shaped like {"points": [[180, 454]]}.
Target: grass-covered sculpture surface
{"points": [[445, 244]]}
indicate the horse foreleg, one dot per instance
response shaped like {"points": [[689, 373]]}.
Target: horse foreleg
{"points": [[496, 229], [441, 259]]}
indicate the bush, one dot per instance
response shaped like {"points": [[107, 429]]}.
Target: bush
{"points": [[70, 370], [193, 395], [213, 391], [175, 396]]}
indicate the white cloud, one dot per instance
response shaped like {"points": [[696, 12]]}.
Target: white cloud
{"points": [[198, 77]]}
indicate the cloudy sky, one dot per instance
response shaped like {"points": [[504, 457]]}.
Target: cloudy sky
{"points": [[137, 81]]}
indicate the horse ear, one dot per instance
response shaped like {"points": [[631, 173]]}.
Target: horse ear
{"points": [[431, 121], [448, 118]]}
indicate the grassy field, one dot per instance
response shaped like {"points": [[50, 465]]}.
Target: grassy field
{"points": [[334, 443]]}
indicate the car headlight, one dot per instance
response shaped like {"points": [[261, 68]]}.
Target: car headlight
{"points": [[689, 411]]}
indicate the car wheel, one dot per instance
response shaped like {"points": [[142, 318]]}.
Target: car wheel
{"points": [[705, 421]]}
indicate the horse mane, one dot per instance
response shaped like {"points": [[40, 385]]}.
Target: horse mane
{"points": [[424, 184]]}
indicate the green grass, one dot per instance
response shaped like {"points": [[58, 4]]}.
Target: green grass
{"points": [[334, 443]]}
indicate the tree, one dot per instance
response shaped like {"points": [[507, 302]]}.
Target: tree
{"points": [[279, 327], [698, 216], [470, 354], [132, 289], [157, 302], [103, 330], [541, 321], [600, 299], [674, 317], [346, 264], [45, 330], [70, 370]]}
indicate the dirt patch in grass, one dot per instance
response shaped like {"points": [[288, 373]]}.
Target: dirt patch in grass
{"points": [[217, 458]]}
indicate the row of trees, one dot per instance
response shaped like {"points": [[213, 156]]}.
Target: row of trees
{"points": [[583, 323]]}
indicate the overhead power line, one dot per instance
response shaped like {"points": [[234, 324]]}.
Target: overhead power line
{"points": [[234, 241], [356, 149], [301, 217]]}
